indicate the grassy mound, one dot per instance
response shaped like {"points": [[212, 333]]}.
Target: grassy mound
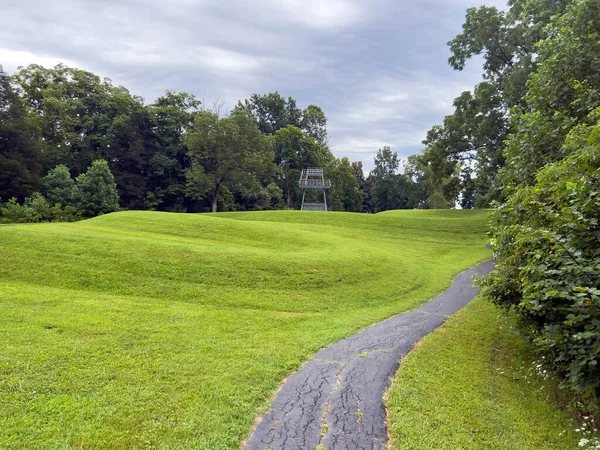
{"points": [[158, 330], [469, 385]]}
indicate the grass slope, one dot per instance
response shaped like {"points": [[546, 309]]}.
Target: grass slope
{"points": [[158, 330], [469, 385]]}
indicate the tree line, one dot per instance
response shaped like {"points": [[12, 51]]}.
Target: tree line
{"points": [[177, 154]]}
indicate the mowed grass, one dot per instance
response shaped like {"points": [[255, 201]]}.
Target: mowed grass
{"points": [[156, 330], [470, 385]]}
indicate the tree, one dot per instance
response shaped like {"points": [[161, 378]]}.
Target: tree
{"points": [[82, 118], [294, 150], [364, 185], [561, 94], [172, 116], [58, 187], [345, 193], [19, 164], [506, 41], [274, 195], [386, 163], [463, 157], [314, 124], [97, 191], [272, 111], [436, 178], [390, 190], [223, 153], [473, 136]]}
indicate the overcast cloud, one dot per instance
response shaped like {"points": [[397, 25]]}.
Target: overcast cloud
{"points": [[377, 67]]}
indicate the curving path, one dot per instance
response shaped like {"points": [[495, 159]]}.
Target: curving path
{"points": [[335, 399]]}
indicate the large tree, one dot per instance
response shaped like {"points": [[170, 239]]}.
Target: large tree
{"points": [[472, 138], [82, 117], [294, 150], [390, 189], [58, 187], [19, 165], [272, 111], [172, 116], [345, 191], [224, 153]]}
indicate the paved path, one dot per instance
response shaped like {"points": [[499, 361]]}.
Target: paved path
{"points": [[335, 399]]}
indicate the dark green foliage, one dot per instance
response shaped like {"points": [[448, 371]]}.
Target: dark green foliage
{"points": [[565, 88], [171, 155], [463, 157], [365, 187], [294, 150], [172, 115], [547, 237], [389, 189], [19, 166], [225, 153], [97, 191], [274, 196], [314, 124], [36, 209], [58, 187], [82, 118], [345, 192], [272, 111], [436, 177]]}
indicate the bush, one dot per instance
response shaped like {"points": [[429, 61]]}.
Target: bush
{"points": [[547, 240], [36, 209], [96, 191], [13, 212], [59, 187]]}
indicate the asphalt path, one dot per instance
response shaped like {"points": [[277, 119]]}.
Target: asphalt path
{"points": [[336, 398]]}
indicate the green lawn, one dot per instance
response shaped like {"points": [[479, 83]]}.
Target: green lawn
{"points": [[158, 330], [470, 385]]}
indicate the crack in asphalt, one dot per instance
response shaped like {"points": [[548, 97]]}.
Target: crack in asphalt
{"points": [[335, 398]]}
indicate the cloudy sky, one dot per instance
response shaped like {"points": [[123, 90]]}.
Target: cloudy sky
{"points": [[377, 67]]}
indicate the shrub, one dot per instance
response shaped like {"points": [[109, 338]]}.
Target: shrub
{"points": [[547, 240], [36, 209], [40, 207], [97, 191], [59, 187], [13, 212]]}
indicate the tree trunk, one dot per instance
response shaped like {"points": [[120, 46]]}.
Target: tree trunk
{"points": [[288, 194], [215, 197]]}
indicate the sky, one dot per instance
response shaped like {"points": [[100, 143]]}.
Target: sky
{"points": [[378, 68]]}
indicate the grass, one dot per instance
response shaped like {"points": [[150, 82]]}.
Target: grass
{"points": [[470, 385], [157, 330]]}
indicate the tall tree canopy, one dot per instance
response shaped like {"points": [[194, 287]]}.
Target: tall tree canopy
{"points": [[81, 118], [172, 116], [295, 150], [472, 138], [19, 164], [224, 152], [390, 189], [272, 111]]}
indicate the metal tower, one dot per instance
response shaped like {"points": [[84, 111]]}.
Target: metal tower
{"points": [[313, 180]]}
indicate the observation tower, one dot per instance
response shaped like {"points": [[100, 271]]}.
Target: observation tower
{"points": [[313, 182]]}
